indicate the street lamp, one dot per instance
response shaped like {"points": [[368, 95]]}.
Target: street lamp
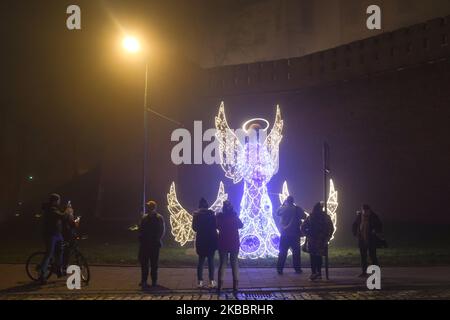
{"points": [[133, 46]]}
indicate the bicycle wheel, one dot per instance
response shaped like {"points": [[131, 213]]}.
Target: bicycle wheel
{"points": [[81, 261], [33, 266]]}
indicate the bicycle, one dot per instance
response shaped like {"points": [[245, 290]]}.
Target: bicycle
{"points": [[34, 261]]}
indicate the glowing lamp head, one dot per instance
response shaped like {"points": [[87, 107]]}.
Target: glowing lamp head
{"points": [[131, 44]]}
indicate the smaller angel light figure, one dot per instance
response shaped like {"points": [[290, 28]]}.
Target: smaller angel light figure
{"points": [[181, 219], [332, 204]]}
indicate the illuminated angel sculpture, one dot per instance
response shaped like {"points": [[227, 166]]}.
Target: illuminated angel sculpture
{"points": [[181, 220], [250, 155], [254, 160]]}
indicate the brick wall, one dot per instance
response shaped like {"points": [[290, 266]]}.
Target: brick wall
{"points": [[386, 52]]}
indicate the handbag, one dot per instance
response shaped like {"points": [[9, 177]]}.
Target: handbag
{"points": [[300, 231], [305, 246]]}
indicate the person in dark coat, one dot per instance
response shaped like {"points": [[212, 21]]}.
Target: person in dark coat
{"points": [[53, 219], [151, 231], [204, 224], [318, 229], [228, 224], [365, 228], [291, 218]]}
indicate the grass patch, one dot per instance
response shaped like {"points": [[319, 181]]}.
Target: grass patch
{"points": [[411, 245], [174, 256]]}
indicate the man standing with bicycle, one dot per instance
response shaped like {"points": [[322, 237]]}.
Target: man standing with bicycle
{"points": [[52, 232]]}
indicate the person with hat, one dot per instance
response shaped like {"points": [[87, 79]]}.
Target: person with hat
{"points": [[151, 231], [204, 224]]}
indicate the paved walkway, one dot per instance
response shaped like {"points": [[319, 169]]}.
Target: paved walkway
{"points": [[256, 283], [434, 294]]}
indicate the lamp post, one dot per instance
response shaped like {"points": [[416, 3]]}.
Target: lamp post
{"points": [[132, 45], [326, 171]]}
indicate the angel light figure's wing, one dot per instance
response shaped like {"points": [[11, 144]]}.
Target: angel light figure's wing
{"points": [[221, 197], [332, 202], [332, 205], [284, 193], [180, 219], [273, 140], [230, 148]]}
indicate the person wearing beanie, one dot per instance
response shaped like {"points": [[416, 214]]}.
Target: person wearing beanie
{"points": [[204, 224]]}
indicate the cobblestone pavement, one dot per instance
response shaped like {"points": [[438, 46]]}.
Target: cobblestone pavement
{"points": [[433, 294], [121, 282]]}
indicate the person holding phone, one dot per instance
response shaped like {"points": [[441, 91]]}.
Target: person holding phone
{"points": [[53, 219], [69, 233]]}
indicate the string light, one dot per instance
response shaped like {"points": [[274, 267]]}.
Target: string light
{"points": [[332, 205], [221, 197], [230, 148], [284, 193], [181, 219]]}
